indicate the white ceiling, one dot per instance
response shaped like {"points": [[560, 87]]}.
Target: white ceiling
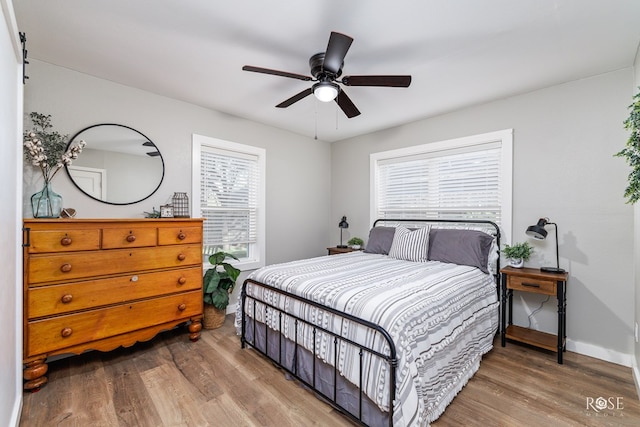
{"points": [[459, 52]]}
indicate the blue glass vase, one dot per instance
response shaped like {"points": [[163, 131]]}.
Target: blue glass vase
{"points": [[46, 203]]}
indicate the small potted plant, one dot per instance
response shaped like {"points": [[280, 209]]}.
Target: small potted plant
{"points": [[218, 283], [355, 243], [518, 253]]}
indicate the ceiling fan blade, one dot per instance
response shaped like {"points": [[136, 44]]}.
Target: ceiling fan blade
{"points": [[347, 106], [336, 51], [386, 81], [295, 98], [275, 72]]}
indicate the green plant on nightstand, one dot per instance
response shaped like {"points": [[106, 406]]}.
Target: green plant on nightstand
{"points": [[355, 242], [518, 253]]}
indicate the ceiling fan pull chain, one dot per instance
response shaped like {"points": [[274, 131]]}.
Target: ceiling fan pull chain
{"points": [[316, 120]]}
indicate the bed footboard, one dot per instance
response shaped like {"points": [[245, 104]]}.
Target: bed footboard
{"points": [[287, 350]]}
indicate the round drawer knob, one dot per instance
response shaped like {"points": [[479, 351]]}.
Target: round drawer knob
{"points": [[131, 238], [182, 307], [65, 268], [182, 236], [65, 241], [182, 257], [66, 332], [67, 298], [182, 280]]}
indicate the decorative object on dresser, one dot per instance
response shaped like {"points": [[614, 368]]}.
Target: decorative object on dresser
{"points": [[342, 224], [217, 285], [538, 232], [95, 284], [180, 203], [49, 151], [518, 253], [166, 211], [534, 280]]}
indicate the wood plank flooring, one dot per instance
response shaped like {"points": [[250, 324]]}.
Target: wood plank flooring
{"points": [[170, 381]]}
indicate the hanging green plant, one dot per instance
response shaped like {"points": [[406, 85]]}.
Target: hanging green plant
{"points": [[632, 151]]}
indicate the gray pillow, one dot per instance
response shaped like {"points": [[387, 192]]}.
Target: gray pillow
{"points": [[380, 239], [463, 247]]}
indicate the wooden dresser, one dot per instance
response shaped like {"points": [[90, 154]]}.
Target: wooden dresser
{"points": [[101, 284]]}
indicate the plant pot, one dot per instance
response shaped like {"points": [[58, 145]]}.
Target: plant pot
{"points": [[516, 262], [213, 317]]}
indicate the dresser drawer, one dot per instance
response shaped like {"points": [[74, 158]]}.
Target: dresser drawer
{"points": [[179, 235], [59, 299], [546, 287], [63, 240], [69, 266], [64, 331], [133, 237]]}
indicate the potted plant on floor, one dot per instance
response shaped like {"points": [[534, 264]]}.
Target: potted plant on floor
{"points": [[518, 253], [218, 283]]}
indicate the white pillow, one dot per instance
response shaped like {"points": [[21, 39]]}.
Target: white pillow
{"points": [[410, 245]]}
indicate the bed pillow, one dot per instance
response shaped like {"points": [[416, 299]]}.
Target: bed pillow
{"points": [[380, 239], [410, 245], [463, 247]]}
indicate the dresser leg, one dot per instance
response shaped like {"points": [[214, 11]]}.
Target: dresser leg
{"points": [[34, 374], [194, 329]]}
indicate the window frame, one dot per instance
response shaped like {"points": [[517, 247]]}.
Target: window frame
{"points": [[258, 248], [504, 137]]}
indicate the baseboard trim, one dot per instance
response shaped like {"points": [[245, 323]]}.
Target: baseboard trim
{"points": [[636, 379], [608, 355]]}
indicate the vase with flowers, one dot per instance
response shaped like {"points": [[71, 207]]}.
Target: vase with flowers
{"points": [[48, 150]]}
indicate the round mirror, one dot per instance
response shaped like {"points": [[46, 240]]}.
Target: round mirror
{"points": [[119, 165]]}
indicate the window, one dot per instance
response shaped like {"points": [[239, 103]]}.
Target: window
{"points": [[229, 188], [465, 178]]}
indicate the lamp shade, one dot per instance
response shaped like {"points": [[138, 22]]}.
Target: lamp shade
{"points": [[537, 231], [325, 91], [343, 223]]}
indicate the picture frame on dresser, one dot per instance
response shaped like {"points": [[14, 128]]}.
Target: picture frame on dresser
{"points": [[96, 284]]}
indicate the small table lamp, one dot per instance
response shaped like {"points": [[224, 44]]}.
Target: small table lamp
{"points": [[538, 232], [343, 224]]}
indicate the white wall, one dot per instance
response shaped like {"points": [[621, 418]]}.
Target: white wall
{"points": [[564, 140], [10, 218], [297, 189]]}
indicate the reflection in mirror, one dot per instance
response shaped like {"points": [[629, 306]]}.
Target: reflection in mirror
{"points": [[119, 165]]}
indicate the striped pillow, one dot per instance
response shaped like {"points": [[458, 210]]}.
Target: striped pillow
{"points": [[410, 245]]}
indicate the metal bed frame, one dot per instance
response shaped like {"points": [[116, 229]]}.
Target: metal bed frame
{"points": [[390, 358]]}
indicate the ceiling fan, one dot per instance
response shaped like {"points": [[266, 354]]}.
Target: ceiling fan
{"points": [[326, 68]]}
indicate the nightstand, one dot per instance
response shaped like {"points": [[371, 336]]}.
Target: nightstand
{"points": [[534, 281], [336, 250]]}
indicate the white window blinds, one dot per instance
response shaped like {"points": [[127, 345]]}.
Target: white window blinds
{"points": [[454, 183], [229, 185]]}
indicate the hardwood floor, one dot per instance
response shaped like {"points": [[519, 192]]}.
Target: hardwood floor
{"points": [[170, 381]]}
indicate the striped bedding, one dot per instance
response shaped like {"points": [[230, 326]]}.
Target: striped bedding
{"points": [[442, 318]]}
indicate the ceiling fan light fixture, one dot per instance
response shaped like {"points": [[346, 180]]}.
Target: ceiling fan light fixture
{"points": [[326, 91]]}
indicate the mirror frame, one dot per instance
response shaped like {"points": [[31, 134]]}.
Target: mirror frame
{"points": [[73, 138]]}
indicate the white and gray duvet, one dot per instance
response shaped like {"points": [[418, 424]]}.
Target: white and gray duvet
{"points": [[442, 319]]}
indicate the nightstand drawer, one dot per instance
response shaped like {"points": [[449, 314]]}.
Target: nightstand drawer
{"points": [[537, 286]]}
